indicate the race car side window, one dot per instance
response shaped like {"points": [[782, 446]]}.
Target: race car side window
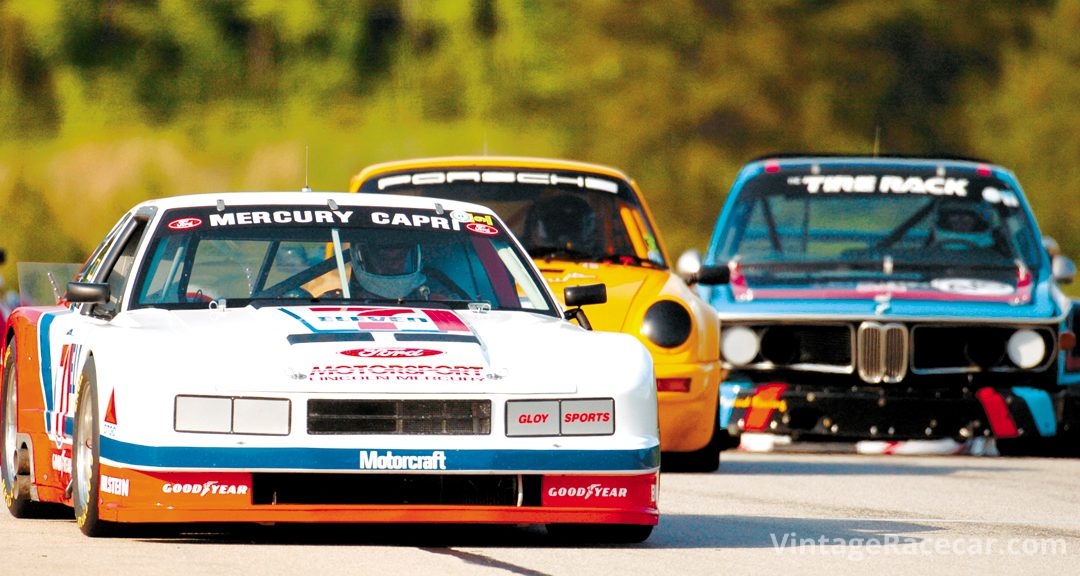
{"points": [[117, 266]]}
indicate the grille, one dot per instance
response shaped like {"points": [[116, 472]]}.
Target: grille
{"points": [[394, 489], [397, 417], [882, 352]]}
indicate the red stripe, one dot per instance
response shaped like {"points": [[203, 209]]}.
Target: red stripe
{"points": [[997, 412], [762, 404], [446, 321]]}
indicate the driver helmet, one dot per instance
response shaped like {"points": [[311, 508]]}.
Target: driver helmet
{"points": [[564, 221], [387, 267], [966, 222]]}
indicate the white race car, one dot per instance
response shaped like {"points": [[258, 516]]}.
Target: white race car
{"points": [[325, 357]]}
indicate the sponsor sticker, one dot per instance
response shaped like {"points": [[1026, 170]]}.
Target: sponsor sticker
{"points": [[972, 286], [253, 217], [206, 488], [415, 373], [184, 223], [368, 319], [390, 352], [885, 184], [378, 460], [437, 178], [599, 491], [115, 486]]}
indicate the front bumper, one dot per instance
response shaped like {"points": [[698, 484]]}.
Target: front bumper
{"points": [[139, 496], [815, 412]]}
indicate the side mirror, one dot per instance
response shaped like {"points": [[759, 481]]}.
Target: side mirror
{"points": [[1063, 269], [691, 269], [578, 296], [689, 263], [1051, 246], [586, 294], [87, 292], [710, 276]]}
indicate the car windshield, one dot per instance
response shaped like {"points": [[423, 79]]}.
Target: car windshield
{"points": [[863, 222], [565, 215], [286, 254]]}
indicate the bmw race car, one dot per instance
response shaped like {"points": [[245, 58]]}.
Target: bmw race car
{"points": [[585, 223], [877, 298], [325, 357]]}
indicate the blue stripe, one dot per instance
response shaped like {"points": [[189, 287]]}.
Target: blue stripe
{"points": [[1041, 407], [320, 459], [728, 393], [45, 364]]}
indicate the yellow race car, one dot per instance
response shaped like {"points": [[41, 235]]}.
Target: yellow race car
{"points": [[584, 224]]}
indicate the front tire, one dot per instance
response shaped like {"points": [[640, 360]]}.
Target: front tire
{"points": [[86, 458]]}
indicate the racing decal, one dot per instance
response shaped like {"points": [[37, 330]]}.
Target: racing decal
{"points": [[184, 223], [1041, 408], [209, 487], [997, 412], [201, 486], [390, 352], [896, 184], [414, 220], [599, 491], [972, 286], [760, 405], [532, 418], [885, 183], [320, 319], [413, 373], [377, 460], [60, 403], [115, 486], [481, 228], [728, 394], [437, 178], [588, 417], [355, 216], [61, 461], [467, 218], [248, 218]]}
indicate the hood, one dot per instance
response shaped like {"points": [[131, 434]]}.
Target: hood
{"points": [[625, 286], [335, 349]]}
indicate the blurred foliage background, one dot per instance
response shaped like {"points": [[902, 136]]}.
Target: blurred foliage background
{"points": [[104, 103]]}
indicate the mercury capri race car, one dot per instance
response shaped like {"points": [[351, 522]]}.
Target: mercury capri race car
{"points": [[325, 357], [585, 223], [892, 299]]}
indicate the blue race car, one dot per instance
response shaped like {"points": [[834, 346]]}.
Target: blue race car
{"points": [[891, 299]]}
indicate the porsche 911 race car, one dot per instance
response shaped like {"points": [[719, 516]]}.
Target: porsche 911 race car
{"points": [[892, 299], [325, 357], [585, 223]]}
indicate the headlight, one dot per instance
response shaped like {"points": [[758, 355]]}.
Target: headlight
{"points": [[1026, 349], [222, 415], [667, 324], [739, 345]]}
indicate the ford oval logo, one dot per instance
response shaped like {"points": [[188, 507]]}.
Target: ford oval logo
{"points": [[184, 223], [482, 228], [391, 352]]}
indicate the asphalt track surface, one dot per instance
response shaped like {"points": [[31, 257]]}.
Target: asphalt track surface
{"points": [[791, 512]]}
